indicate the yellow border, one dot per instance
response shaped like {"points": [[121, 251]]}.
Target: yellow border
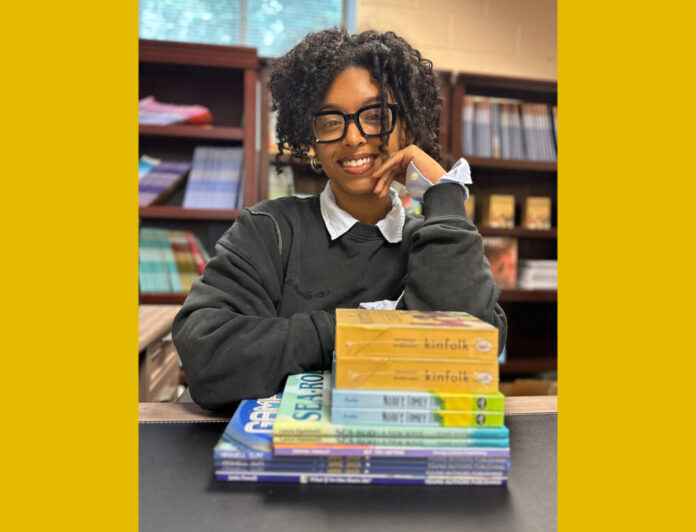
{"points": [[69, 94], [625, 272]]}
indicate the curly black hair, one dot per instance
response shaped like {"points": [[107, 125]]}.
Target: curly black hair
{"points": [[300, 79]]}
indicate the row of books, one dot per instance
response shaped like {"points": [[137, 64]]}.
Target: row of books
{"points": [[154, 113], [509, 129], [509, 272], [375, 418], [215, 179], [498, 211], [158, 179], [169, 260]]}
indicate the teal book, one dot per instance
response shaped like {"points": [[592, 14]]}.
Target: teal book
{"points": [[305, 410]]}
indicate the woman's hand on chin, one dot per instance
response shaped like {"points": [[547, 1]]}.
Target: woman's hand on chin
{"points": [[394, 168]]}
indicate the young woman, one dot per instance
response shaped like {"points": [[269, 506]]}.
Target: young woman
{"points": [[264, 309]]}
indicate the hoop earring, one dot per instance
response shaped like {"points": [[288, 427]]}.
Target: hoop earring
{"points": [[314, 164]]}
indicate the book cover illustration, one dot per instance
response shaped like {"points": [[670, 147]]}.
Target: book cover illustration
{"points": [[501, 253], [418, 334]]}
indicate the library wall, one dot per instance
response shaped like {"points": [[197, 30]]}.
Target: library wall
{"points": [[502, 37]]}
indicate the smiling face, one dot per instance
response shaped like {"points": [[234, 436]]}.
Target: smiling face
{"points": [[349, 163]]}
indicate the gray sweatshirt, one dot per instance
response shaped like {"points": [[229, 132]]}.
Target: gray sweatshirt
{"points": [[264, 307]]}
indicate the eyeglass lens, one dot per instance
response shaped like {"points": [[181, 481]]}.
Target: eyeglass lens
{"points": [[330, 127]]}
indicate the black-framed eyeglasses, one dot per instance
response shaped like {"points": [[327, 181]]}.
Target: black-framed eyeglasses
{"points": [[331, 126]]}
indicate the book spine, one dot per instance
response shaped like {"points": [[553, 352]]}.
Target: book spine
{"points": [[484, 470], [299, 441], [420, 400], [195, 252], [390, 451], [414, 374], [297, 478], [438, 343], [428, 418]]}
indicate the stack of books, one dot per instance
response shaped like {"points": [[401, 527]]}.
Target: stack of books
{"points": [[538, 274], [158, 179], [154, 113], [290, 438], [169, 260], [215, 180], [413, 399]]}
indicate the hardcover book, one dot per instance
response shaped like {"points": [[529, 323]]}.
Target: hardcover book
{"points": [[414, 334]]}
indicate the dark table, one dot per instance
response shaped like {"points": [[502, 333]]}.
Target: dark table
{"points": [[178, 491]]}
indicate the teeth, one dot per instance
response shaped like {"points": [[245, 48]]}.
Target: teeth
{"points": [[357, 162]]}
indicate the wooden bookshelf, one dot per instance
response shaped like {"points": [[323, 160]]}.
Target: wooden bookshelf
{"points": [[162, 299], [528, 296], [174, 212], [532, 314], [519, 232], [223, 79], [194, 132], [510, 164]]}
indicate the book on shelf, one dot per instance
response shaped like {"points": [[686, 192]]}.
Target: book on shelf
{"points": [[470, 207], [536, 212], [537, 274], [468, 147], [160, 180], [482, 128], [498, 211], [154, 113], [501, 253], [166, 261], [215, 179]]}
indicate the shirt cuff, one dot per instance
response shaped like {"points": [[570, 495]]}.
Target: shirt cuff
{"points": [[417, 183]]}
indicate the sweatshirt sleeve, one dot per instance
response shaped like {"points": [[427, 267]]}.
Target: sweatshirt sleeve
{"points": [[230, 339], [447, 269]]}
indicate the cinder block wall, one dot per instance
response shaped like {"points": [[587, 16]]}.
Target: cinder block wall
{"points": [[505, 37]]}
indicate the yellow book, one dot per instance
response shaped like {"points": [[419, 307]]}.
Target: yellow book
{"points": [[407, 333], [499, 211], [536, 212], [425, 375]]}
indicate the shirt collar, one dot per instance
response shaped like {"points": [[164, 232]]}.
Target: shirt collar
{"points": [[338, 221]]}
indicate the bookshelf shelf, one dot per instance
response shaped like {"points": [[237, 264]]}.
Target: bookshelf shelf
{"points": [[162, 299], [528, 296], [529, 365], [508, 164], [173, 212], [519, 232], [194, 132]]}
